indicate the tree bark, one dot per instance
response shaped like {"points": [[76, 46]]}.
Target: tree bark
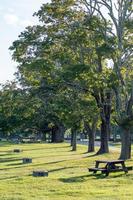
{"points": [[71, 138], [74, 140], [104, 103], [103, 99], [125, 144], [58, 134], [104, 148], [91, 142], [91, 136]]}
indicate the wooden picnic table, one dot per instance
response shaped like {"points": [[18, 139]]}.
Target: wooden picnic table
{"points": [[110, 166]]}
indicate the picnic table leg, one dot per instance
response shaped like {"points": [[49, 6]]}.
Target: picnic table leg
{"points": [[124, 167], [107, 173], [107, 168], [96, 166]]}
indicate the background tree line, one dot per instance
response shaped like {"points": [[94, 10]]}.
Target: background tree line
{"points": [[74, 72]]}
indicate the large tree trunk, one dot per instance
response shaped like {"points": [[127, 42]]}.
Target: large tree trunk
{"points": [[91, 136], [105, 127], [105, 121], [91, 142], [74, 140], [103, 99], [125, 144], [58, 134]]}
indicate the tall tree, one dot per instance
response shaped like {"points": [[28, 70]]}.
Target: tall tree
{"points": [[68, 49], [120, 14]]}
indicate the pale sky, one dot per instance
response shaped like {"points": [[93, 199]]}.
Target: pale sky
{"points": [[15, 15]]}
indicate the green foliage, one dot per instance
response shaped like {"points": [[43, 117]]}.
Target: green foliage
{"points": [[63, 64]]}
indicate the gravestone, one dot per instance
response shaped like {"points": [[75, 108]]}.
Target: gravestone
{"points": [[40, 173], [27, 160], [17, 150]]}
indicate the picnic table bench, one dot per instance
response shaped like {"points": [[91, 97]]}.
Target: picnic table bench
{"points": [[110, 166]]}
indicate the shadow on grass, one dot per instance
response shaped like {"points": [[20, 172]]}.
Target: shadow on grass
{"points": [[52, 147], [74, 179], [53, 155], [59, 169], [15, 164], [9, 159], [93, 176], [21, 165], [103, 176], [6, 154], [89, 156], [80, 179], [55, 162], [39, 164], [8, 178]]}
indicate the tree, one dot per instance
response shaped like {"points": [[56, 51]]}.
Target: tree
{"points": [[14, 112], [120, 14], [68, 49]]}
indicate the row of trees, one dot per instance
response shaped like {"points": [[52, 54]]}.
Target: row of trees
{"points": [[75, 71], [23, 114]]}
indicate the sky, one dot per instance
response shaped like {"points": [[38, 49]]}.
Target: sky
{"points": [[15, 15]]}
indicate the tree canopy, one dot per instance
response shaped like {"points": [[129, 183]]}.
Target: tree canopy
{"points": [[74, 71]]}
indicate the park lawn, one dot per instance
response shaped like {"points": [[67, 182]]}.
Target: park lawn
{"points": [[68, 178]]}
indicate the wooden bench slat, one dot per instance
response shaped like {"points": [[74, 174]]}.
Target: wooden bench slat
{"points": [[110, 161], [97, 169], [116, 170]]}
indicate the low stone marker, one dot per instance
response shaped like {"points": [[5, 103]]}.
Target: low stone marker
{"points": [[40, 173], [17, 150], [27, 160]]}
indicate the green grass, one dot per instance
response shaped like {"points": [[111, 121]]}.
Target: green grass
{"points": [[68, 178]]}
